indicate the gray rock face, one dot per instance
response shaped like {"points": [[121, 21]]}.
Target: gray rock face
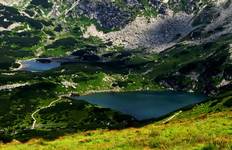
{"points": [[112, 14], [105, 12], [132, 2]]}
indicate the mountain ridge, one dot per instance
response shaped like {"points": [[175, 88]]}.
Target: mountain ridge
{"points": [[114, 45]]}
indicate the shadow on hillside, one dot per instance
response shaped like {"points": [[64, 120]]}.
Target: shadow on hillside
{"points": [[69, 117], [97, 118], [72, 116], [157, 34]]}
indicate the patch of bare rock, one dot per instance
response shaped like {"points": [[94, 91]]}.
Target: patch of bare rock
{"points": [[155, 34]]}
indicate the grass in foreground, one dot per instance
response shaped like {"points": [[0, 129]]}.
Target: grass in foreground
{"points": [[204, 131]]}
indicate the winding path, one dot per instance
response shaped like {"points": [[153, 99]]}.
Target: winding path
{"points": [[45, 107]]}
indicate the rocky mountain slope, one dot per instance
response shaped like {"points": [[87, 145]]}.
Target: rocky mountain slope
{"points": [[154, 25], [112, 45]]}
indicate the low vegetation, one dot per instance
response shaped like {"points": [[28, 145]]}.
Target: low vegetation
{"points": [[206, 126], [100, 66]]}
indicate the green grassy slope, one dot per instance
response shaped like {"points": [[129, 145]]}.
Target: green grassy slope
{"points": [[70, 124], [207, 127]]}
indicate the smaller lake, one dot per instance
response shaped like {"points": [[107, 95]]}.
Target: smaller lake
{"points": [[144, 105], [38, 65]]}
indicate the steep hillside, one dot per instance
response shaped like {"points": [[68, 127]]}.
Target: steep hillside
{"points": [[207, 126], [114, 45]]}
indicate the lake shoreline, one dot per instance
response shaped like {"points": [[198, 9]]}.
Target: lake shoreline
{"points": [[90, 92], [186, 108], [153, 105], [37, 65]]}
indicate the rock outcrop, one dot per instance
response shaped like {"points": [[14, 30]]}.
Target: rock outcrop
{"points": [[108, 15]]}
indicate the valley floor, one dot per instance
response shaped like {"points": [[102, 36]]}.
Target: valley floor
{"points": [[202, 131]]}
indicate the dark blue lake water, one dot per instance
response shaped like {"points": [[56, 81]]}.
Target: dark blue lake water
{"points": [[144, 105]]}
